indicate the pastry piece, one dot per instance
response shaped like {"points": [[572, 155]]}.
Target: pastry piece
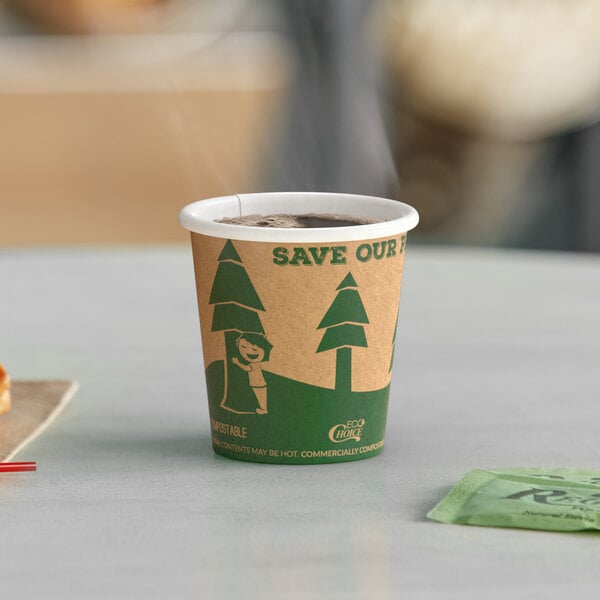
{"points": [[4, 391]]}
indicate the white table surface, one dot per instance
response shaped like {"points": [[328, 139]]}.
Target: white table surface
{"points": [[497, 365]]}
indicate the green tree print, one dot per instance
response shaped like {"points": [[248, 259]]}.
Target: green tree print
{"points": [[236, 307], [393, 345], [343, 324]]}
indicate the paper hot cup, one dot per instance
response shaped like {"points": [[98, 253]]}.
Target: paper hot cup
{"points": [[298, 325]]}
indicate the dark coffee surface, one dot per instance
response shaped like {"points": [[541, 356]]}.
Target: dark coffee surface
{"points": [[309, 220]]}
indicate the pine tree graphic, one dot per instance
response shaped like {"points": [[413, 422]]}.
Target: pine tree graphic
{"points": [[393, 345], [343, 324], [236, 307]]}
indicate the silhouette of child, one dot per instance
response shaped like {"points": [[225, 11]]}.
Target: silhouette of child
{"points": [[253, 349]]}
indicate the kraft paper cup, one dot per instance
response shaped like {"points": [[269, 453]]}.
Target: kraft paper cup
{"points": [[298, 325]]}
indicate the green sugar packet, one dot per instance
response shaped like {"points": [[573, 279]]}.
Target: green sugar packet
{"points": [[549, 499]]}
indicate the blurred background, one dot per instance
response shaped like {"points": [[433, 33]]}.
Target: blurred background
{"points": [[483, 115]]}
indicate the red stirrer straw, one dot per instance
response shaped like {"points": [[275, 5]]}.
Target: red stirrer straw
{"points": [[11, 467]]}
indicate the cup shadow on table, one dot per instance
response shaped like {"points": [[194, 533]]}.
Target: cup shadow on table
{"points": [[166, 446]]}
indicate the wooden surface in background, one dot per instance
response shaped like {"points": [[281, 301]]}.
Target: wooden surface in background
{"points": [[105, 155]]}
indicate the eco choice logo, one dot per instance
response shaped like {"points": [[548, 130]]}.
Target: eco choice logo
{"points": [[350, 430]]}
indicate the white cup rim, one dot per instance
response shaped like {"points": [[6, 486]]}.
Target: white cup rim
{"points": [[199, 216]]}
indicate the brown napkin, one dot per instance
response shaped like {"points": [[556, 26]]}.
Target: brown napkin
{"points": [[35, 404]]}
